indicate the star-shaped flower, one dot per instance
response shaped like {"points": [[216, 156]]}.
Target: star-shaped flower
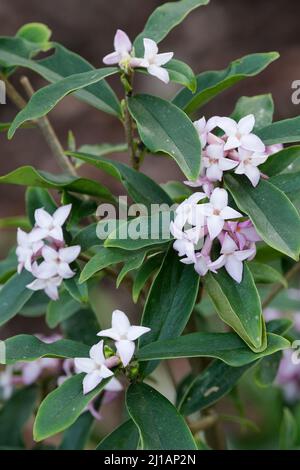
{"points": [[52, 224], [240, 135], [249, 162]]}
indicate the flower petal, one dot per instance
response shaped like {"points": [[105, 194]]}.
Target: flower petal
{"points": [[52, 291], [215, 224], [42, 218], [109, 333], [159, 72], [84, 364], [228, 245], [37, 284], [246, 124], [253, 174], [234, 267], [122, 42], [162, 59], [228, 125], [49, 254], [150, 47], [120, 322], [214, 173], [64, 270], [112, 58], [253, 143], [96, 353], [68, 255], [229, 213], [219, 198], [91, 381], [125, 350], [61, 214], [135, 332], [232, 143], [105, 372]]}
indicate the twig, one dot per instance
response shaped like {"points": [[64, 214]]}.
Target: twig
{"points": [[279, 286], [13, 94], [203, 423], [49, 134], [126, 80]]}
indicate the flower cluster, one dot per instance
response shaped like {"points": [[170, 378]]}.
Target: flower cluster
{"points": [[123, 55], [196, 226], [97, 367], [46, 242]]}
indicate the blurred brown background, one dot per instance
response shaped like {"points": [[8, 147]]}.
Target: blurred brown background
{"points": [[209, 38]]}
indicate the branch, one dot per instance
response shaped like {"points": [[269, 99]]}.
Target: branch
{"points": [[126, 80]]}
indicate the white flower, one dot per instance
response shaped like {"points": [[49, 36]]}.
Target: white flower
{"points": [[232, 258], [187, 211], [124, 335], [29, 244], [94, 367], [153, 61], [56, 262], [204, 127], [217, 211], [122, 53], [50, 286], [248, 165], [185, 241], [239, 134], [215, 162], [52, 224]]}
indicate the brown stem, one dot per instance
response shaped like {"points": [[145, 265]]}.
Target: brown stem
{"points": [[203, 423], [49, 134], [279, 286], [13, 94]]}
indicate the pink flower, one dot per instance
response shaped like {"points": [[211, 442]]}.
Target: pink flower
{"points": [[240, 135], [122, 52], [249, 162], [243, 233], [52, 224], [29, 246], [153, 61], [204, 127], [215, 163]]}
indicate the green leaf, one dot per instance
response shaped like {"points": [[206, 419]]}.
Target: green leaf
{"points": [[35, 199], [164, 19], [177, 190], [29, 348], [281, 132], [15, 222], [82, 327], [36, 306], [273, 215], [61, 408], [77, 435], [267, 369], [212, 83], [265, 274], [288, 183], [79, 292], [45, 99], [179, 72], [38, 33], [132, 264], [288, 431], [160, 425], [124, 437], [101, 150], [280, 161], [140, 187], [8, 266], [151, 231], [238, 305], [29, 176], [63, 63], [87, 237], [14, 415], [165, 128], [170, 302], [149, 267], [208, 387], [61, 309], [228, 347], [14, 295], [261, 106]]}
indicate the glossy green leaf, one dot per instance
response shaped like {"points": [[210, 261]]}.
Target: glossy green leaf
{"points": [[141, 232], [78, 291], [62, 63], [273, 215], [29, 348], [29, 176], [45, 99], [160, 425], [165, 128], [87, 237], [36, 306], [228, 347], [164, 19], [286, 131], [61, 309], [101, 150], [124, 437], [170, 302], [265, 274], [132, 264], [267, 369], [238, 305], [177, 190], [14, 295], [8, 266], [288, 431], [261, 106], [147, 270], [14, 415], [280, 161], [61, 408], [212, 83], [35, 199], [140, 187], [82, 327], [77, 435], [288, 183]]}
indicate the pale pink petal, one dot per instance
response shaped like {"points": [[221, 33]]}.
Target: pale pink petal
{"points": [[228, 245], [253, 143], [52, 291], [64, 270], [215, 225], [91, 381], [253, 174], [105, 372], [135, 332], [232, 143], [42, 218], [68, 255], [218, 263], [120, 322], [201, 266], [49, 254], [234, 267], [37, 284], [136, 62], [122, 42], [246, 124], [162, 59], [229, 213], [219, 198], [114, 385], [244, 254], [22, 237], [214, 173], [227, 164], [84, 364], [57, 234], [150, 47], [45, 270], [215, 151], [96, 353], [61, 214], [159, 72], [112, 58], [240, 170], [31, 372], [212, 123], [37, 234], [228, 125], [200, 125], [125, 350], [109, 333]]}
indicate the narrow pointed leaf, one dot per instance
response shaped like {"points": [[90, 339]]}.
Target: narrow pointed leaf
{"points": [[61, 309], [281, 161], [160, 425], [14, 295], [265, 274], [124, 437], [130, 265], [261, 106], [147, 270], [286, 131], [77, 435]]}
